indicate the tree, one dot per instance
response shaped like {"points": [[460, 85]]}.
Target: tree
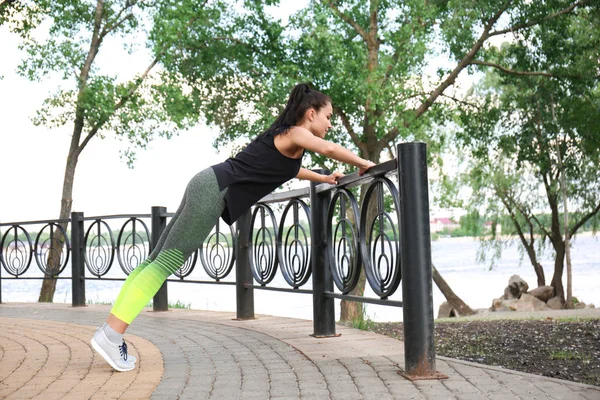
{"points": [[7, 8], [543, 109], [65, 39], [369, 56]]}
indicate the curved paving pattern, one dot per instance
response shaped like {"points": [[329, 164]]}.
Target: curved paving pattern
{"points": [[53, 360], [207, 355]]}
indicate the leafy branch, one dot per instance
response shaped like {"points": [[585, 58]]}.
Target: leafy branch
{"points": [[529, 24]]}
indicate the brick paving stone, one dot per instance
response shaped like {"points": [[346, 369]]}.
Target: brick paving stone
{"points": [[405, 392], [503, 396], [200, 354], [588, 395], [378, 396], [254, 395], [461, 386], [346, 396]]}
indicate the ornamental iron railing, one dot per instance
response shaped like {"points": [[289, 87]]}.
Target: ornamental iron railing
{"points": [[324, 238]]}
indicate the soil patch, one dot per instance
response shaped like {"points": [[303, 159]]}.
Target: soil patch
{"points": [[554, 348]]}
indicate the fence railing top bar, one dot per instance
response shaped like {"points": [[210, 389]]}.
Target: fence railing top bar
{"points": [[354, 179], [117, 216], [45, 221], [68, 220], [283, 196]]}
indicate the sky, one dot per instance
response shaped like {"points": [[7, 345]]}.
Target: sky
{"points": [[32, 158]]}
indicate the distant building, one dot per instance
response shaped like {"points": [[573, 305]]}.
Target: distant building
{"points": [[440, 224]]}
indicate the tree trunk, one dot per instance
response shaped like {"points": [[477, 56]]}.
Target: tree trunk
{"points": [[455, 302], [537, 267], [511, 206], [558, 270], [352, 310], [49, 283], [539, 272], [555, 235], [559, 247], [47, 290], [563, 188]]}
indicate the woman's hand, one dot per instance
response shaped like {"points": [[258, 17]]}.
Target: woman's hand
{"points": [[333, 178], [364, 169]]}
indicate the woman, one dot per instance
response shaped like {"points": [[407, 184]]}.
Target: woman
{"points": [[226, 190]]}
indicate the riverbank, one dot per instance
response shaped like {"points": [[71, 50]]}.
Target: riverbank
{"points": [[561, 344], [507, 237]]}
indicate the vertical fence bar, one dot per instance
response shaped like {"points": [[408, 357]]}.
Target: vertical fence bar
{"points": [[77, 260], [159, 222], [243, 274], [419, 349], [1, 268], [322, 281]]}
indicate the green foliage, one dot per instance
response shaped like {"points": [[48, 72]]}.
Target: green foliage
{"points": [[66, 38], [97, 301], [519, 121], [569, 354], [176, 304], [244, 90], [181, 305], [363, 322], [470, 225]]}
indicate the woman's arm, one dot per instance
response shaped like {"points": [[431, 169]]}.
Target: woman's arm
{"points": [[305, 139], [312, 176]]}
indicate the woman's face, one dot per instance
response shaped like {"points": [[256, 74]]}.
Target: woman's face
{"points": [[321, 120]]}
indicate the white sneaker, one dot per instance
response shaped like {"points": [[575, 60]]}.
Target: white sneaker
{"points": [[130, 357], [114, 354]]}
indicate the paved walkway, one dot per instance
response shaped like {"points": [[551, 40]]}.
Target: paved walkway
{"points": [[45, 354]]}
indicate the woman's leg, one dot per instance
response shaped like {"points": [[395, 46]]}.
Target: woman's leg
{"points": [[204, 204], [202, 207], [111, 320]]}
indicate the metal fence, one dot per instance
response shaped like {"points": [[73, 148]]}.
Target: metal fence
{"points": [[323, 237]]}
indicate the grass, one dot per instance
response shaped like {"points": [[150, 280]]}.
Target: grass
{"points": [[177, 304], [363, 322], [475, 350], [96, 301], [570, 355]]}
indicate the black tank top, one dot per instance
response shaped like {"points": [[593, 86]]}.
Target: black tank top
{"points": [[252, 174]]}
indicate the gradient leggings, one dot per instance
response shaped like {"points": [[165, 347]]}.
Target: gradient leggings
{"points": [[200, 209]]}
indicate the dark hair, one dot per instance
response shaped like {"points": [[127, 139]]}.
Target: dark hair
{"points": [[302, 98]]}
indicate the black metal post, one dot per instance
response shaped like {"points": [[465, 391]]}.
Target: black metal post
{"points": [[243, 275], [77, 260], [159, 222], [419, 349], [322, 281], [0, 270]]}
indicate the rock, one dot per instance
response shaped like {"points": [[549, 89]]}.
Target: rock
{"points": [[590, 306], [445, 311], [555, 303], [516, 287], [502, 304], [579, 306], [528, 302], [544, 293]]}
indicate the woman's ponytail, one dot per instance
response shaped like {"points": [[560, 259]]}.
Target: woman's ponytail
{"points": [[302, 98]]}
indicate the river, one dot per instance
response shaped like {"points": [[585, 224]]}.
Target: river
{"points": [[455, 259]]}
